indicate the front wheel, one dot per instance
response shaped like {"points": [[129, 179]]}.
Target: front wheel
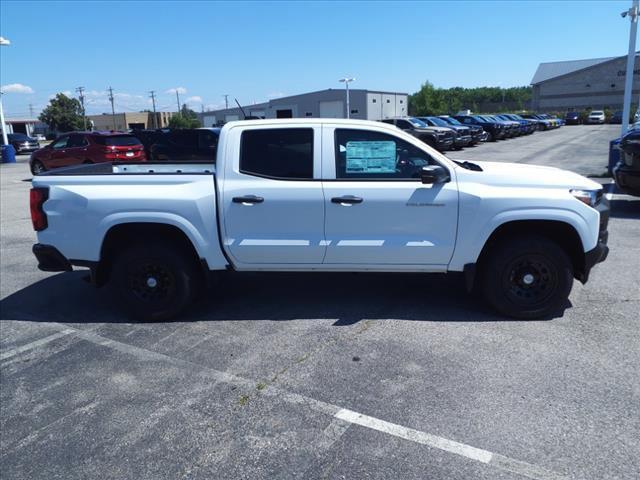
{"points": [[527, 277], [154, 282]]}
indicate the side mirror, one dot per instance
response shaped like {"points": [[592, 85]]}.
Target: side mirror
{"points": [[434, 174]]}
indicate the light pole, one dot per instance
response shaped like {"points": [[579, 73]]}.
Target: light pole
{"points": [[632, 13], [5, 43], [346, 81]]}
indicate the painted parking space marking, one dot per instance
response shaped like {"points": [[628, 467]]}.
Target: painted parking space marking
{"points": [[35, 344], [342, 417]]}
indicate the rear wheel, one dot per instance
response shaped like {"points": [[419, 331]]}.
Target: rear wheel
{"points": [[527, 277], [491, 137], [37, 167], [154, 282]]}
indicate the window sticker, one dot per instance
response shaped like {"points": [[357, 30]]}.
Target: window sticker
{"points": [[371, 157]]}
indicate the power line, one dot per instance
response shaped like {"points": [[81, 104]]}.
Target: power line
{"points": [[113, 110]]}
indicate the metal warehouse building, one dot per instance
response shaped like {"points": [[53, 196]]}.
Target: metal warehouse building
{"points": [[331, 103], [596, 83]]}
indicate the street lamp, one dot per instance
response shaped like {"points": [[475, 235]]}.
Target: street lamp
{"points": [[632, 13], [5, 43], [346, 81]]}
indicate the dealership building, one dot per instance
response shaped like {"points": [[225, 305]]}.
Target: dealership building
{"points": [[330, 103], [130, 120], [596, 83]]}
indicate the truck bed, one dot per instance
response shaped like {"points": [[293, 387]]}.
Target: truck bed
{"points": [[120, 168]]}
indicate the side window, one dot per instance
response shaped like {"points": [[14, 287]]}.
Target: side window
{"points": [[60, 143], [76, 141], [364, 154], [403, 124], [281, 153]]}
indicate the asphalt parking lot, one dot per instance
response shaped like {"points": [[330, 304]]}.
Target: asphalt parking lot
{"points": [[324, 375]]}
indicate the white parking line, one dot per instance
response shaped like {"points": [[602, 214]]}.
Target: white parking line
{"points": [[35, 344], [415, 435], [336, 428]]}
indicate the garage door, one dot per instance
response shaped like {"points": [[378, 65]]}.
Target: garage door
{"points": [[334, 109]]}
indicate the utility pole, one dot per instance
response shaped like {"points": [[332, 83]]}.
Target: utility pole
{"points": [[31, 110], [80, 91], [153, 101], [632, 13], [178, 98], [113, 110], [226, 101]]}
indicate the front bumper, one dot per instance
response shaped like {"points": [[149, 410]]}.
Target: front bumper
{"points": [[444, 143], [463, 140], [50, 259], [601, 251], [627, 179]]}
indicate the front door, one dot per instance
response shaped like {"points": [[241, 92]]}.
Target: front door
{"points": [[377, 209], [58, 155], [272, 197]]}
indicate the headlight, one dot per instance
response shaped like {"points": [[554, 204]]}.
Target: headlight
{"points": [[588, 197]]}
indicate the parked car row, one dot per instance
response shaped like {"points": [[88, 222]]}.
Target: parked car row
{"points": [[446, 132], [595, 117], [75, 148]]}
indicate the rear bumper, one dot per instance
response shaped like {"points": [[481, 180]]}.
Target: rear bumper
{"points": [[50, 259]]}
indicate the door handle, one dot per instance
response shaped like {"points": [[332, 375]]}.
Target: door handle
{"points": [[346, 199], [248, 199]]}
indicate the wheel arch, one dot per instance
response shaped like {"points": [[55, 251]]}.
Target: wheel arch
{"points": [[125, 234], [561, 232]]}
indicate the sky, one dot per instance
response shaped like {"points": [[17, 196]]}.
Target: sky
{"points": [[255, 51]]}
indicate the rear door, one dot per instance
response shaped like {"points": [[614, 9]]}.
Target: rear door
{"points": [[378, 212], [76, 150], [271, 196]]}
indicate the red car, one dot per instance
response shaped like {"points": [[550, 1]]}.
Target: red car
{"points": [[87, 147]]}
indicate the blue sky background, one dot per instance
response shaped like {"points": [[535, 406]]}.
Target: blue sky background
{"points": [[260, 50]]}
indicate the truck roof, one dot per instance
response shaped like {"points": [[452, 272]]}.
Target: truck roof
{"points": [[307, 121]]}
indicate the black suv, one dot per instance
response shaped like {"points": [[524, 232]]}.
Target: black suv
{"points": [[477, 133], [495, 130], [22, 143], [180, 145], [439, 138], [463, 134]]}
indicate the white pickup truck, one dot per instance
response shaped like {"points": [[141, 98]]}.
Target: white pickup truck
{"points": [[321, 195]]}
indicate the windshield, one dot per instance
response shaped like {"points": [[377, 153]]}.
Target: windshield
{"points": [[17, 136], [438, 121], [417, 123], [479, 118], [451, 120], [597, 112]]}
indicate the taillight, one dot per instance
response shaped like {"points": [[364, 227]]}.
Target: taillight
{"points": [[37, 197]]}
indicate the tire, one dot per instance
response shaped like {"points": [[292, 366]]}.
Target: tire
{"points": [[491, 137], [37, 167], [527, 277], [154, 282]]}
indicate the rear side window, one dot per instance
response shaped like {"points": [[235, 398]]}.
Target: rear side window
{"points": [[281, 153], [118, 141]]}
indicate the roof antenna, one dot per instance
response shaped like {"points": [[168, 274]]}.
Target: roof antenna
{"points": [[241, 109]]}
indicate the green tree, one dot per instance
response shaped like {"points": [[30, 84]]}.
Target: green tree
{"points": [[63, 114], [187, 118]]}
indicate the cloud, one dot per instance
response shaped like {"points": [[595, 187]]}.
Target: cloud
{"points": [[16, 88], [194, 99], [180, 90], [66, 93]]}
